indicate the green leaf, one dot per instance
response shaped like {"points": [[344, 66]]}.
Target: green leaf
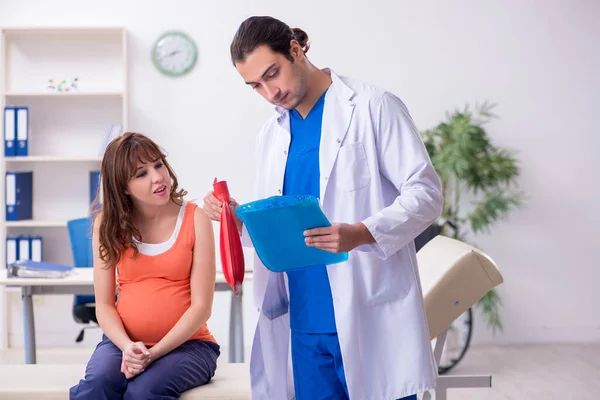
{"points": [[495, 205], [493, 168], [490, 308]]}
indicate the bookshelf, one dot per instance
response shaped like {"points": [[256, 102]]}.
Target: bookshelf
{"points": [[67, 128]]}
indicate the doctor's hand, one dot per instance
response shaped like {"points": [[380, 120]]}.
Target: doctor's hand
{"points": [[338, 238], [213, 208], [136, 359]]}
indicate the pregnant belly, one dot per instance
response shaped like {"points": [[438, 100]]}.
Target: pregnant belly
{"points": [[149, 309]]}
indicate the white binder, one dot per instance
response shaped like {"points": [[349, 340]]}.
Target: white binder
{"points": [[22, 131], [9, 132], [24, 249], [11, 250], [36, 249]]}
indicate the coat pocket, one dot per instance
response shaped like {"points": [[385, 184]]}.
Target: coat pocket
{"points": [[352, 167], [387, 281]]}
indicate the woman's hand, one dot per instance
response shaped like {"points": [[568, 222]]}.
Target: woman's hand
{"points": [[136, 359]]}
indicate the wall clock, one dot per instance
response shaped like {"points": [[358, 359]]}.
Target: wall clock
{"points": [[174, 53]]}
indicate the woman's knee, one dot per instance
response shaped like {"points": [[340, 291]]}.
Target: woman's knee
{"points": [[109, 377], [138, 389], [99, 384], [104, 368], [103, 376]]}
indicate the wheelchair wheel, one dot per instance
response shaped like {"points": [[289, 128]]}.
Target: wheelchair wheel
{"points": [[457, 343]]}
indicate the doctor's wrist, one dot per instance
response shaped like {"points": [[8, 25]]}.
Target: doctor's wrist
{"points": [[238, 222], [364, 235]]}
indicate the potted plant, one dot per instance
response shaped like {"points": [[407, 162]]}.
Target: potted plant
{"points": [[470, 165]]}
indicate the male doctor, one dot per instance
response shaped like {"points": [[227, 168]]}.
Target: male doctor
{"points": [[357, 329]]}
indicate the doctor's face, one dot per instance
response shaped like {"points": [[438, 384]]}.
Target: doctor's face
{"points": [[277, 79]]}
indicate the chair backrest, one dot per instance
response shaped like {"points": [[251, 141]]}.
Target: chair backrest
{"points": [[80, 235]]}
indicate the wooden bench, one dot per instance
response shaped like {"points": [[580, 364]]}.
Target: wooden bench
{"points": [[52, 382]]}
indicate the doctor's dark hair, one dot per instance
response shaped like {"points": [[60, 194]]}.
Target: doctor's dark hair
{"points": [[113, 207], [267, 31]]}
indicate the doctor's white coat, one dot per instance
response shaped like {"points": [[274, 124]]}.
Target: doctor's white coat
{"points": [[376, 170]]}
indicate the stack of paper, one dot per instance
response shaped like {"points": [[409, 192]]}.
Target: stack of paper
{"points": [[34, 269]]}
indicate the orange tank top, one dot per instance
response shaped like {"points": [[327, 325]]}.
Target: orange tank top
{"points": [[154, 290]]}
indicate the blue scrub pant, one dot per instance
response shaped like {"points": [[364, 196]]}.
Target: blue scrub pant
{"points": [[190, 365], [318, 369]]}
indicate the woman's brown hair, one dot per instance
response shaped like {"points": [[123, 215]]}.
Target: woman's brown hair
{"points": [[268, 31], [121, 157]]}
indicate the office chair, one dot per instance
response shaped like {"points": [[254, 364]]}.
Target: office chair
{"points": [[428, 234], [80, 235]]}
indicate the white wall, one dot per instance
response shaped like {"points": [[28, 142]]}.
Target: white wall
{"points": [[539, 64]]}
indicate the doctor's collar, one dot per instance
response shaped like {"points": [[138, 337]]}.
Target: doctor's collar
{"points": [[281, 110]]}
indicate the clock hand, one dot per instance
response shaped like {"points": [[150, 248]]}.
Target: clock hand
{"points": [[170, 54]]}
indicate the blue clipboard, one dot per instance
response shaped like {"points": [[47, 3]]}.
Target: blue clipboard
{"points": [[276, 226]]}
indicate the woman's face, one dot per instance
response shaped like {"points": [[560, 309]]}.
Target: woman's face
{"points": [[151, 183]]}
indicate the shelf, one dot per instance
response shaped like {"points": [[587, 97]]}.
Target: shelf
{"points": [[74, 30], [52, 159], [32, 223], [64, 94]]}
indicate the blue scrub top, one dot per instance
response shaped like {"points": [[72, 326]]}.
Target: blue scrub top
{"points": [[311, 303]]}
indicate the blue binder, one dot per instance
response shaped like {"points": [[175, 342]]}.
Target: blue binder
{"points": [[276, 226], [10, 132], [19, 195], [22, 131]]}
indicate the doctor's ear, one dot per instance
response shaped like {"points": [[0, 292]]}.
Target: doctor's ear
{"points": [[295, 50]]}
